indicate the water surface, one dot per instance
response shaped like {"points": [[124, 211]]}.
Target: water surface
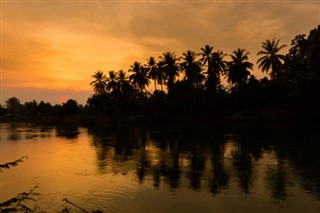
{"points": [[139, 169]]}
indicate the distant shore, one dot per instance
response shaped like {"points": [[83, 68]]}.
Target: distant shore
{"points": [[243, 118]]}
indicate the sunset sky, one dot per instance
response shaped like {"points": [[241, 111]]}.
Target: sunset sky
{"points": [[50, 48]]}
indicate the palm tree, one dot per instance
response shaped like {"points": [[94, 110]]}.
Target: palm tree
{"points": [[139, 77], [192, 68], [238, 67], [206, 55], [168, 65], [218, 66], [112, 84], [99, 83], [270, 57], [161, 76], [123, 82], [206, 59], [153, 70]]}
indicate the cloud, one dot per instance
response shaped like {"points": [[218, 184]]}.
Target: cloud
{"points": [[58, 45]]}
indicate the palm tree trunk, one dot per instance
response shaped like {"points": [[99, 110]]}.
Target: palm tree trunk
{"points": [[155, 85]]}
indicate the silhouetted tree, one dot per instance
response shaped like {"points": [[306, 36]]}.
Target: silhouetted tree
{"points": [[192, 69], [13, 105], [111, 82], [45, 108], [168, 65], [153, 70], [123, 83], [31, 107], [302, 61], [219, 66], [2, 110], [238, 67], [69, 108], [270, 57], [99, 83], [139, 77], [206, 59]]}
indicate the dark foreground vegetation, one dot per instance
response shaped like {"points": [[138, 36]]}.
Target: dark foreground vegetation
{"points": [[189, 88]]}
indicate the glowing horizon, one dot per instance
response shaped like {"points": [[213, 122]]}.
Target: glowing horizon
{"points": [[51, 49]]}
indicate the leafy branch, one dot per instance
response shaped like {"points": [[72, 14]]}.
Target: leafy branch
{"points": [[16, 204], [13, 163], [68, 209]]}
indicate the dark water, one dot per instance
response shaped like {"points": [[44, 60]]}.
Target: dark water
{"points": [[164, 169]]}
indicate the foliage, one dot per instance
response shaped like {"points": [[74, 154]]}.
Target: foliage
{"points": [[8, 165], [13, 105], [99, 84], [69, 108], [139, 78], [238, 67], [18, 203], [169, 66], [270, 57], [194, 84]]}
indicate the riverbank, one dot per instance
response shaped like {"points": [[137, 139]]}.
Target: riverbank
{"points": [[248, 118]]}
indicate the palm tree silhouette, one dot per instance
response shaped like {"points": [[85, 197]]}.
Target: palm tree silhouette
{"points": [[152, 68], [270, 57], [219, 66], [168, 65], [139, 77], [206, 55], [238, 67], [99, 83], [192, 68], [161, 76], [112, 84], [206, 59], [124, 85]]}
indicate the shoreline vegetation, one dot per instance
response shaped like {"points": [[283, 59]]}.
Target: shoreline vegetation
{"points": [[188, 89]]}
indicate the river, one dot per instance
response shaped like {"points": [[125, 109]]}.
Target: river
{"points": [[127, 168]]}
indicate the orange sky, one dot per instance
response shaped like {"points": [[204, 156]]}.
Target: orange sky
{"points": [[51, 48]]}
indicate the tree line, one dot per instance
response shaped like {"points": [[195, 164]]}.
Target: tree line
{"points": [[191, 84]]}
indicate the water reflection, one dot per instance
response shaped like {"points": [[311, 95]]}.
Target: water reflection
{"points": [[69, 131], [274, 163], [18, 131], [13, 132], [202, 159], [277, 181]]}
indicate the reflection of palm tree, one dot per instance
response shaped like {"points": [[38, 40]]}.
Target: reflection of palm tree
{"points": [[276, 179], [99, 83], [270, 57], [238, 69], [192, 68], [195, 173], [139, 77], [143, 167], [220, 177], [170, 67], [243, 164]]}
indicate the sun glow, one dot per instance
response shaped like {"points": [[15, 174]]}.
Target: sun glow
{"points": [[58, 46], [63, 99]]}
